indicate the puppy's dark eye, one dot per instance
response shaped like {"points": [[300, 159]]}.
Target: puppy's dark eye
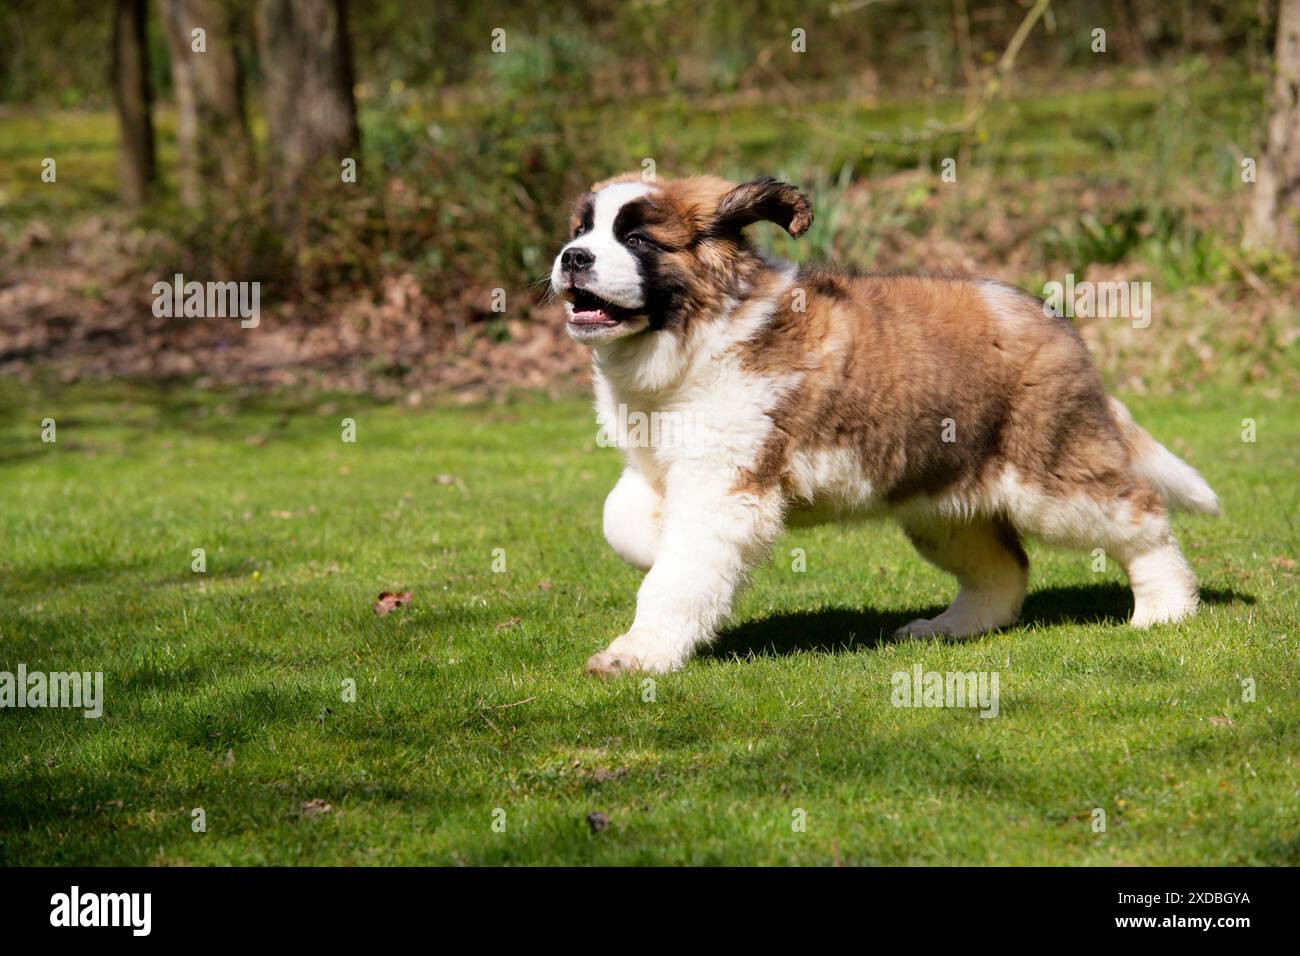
{"points": [[636, 239], [579, 231]]}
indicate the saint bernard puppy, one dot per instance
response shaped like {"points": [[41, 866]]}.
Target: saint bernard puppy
{"points": [[961, 408]]}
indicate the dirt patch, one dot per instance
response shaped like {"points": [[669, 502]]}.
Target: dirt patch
{"points": [[66, 309]]}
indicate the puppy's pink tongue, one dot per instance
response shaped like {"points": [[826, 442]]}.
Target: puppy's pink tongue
{"points": [[592, 317]]}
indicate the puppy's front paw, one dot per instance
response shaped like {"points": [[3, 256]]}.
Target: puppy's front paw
{"points": [[609, 663], [634, 651]]}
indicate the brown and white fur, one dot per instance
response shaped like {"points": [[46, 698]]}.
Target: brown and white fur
{"points": [[959, 407]]}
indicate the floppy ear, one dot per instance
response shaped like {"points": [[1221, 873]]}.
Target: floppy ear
{"points": [[768, 200]]}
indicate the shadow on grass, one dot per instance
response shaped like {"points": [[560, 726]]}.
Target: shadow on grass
{"points": [[837, 629]]}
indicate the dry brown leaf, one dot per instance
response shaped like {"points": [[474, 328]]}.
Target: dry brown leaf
{"points": [[312, 808], [391, 601]]}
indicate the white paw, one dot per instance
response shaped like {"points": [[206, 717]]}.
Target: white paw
{"points": [[633, 652], [923, 628], [1151, 613], [956, 622]]}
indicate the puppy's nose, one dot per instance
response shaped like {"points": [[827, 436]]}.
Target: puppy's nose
{"points": [[576, 260]]}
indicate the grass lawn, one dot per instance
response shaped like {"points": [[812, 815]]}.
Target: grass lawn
{"points": [[224, 689]]}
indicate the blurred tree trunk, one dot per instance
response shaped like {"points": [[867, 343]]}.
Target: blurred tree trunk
{"points": [[1275, 210], [306, 58], [1127, 36], [211, 126], [133, 101]]}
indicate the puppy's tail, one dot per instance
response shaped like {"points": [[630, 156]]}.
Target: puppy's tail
{"points": [[1179, 484]]}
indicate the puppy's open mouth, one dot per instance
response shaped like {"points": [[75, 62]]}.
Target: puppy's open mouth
{"points": [[591, 309]]}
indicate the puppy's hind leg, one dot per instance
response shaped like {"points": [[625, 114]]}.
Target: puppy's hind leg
{"points": [[1138, 534], [1164, 587], [1131, 526], [991, 568]]}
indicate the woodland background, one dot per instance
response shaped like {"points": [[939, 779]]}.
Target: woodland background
{"points": [[472, 126]]}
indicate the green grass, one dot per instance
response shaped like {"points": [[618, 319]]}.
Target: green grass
{"points": [[223, 688]]}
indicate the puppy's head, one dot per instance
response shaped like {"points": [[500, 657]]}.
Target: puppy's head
{"points": [[645, 257]]}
